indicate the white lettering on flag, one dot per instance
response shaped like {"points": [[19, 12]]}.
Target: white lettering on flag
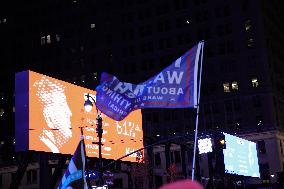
{"points": [[177, 62], [174, 76]]}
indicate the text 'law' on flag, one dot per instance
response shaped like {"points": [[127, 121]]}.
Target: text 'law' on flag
{"points": [[73, 177], [174, 87]]}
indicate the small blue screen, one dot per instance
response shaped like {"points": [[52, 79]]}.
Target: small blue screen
{"points": [[240, 156]]}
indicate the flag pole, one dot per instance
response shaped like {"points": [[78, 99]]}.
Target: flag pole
{"points": [[197, 111], [82, 141]]}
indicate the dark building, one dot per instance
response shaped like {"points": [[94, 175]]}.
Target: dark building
{"points": [[75, 40]]}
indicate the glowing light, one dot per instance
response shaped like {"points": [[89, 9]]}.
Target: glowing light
{"points": [[205, 145], [222, 141]]}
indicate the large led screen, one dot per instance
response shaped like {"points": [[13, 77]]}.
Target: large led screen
{"points": [[50, 112], [240, 156]]}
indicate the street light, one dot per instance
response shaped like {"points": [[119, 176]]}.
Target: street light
{"points": [[88, 103], [99, 130]]}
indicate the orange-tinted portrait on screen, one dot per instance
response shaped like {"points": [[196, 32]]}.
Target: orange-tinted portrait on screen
{"points": [[50, 112]]}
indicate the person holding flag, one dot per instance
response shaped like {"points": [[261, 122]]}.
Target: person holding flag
{"points": [[74, 176]]}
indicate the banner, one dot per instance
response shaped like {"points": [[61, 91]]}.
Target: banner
{"points": [[173, 87]]}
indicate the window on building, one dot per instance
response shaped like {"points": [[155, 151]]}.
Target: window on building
{"points": [[259, 120], [31, 176], [226, 87], [226, 10], [174, 115], [48, 39], [167, 114], [207, 109], [156, 117], [256, 100], [158, 181], [157, 159], [254, 82], [74, 79], [177, 157], [235, 85], [118, 183], [248, 25], [215, 108], [238, 123], [42, 40], [13, 175], [261, 147], [148, 117], [1, 180], [222, 48], [230, 46], [281, 147], [2, 111], [228, 28], [250, 43], [228, 106], [218, 13], [118, 165], [209, 52], [172, 158], [93, 26], [83, 78], [236, 103], [57, 37], [264, 171], [220, 30]]}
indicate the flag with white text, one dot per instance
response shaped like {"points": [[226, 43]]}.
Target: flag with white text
{"points": [[174, 87], [74, 176]]}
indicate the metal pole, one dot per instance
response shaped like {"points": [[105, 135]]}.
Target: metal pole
{"points": [[100, 133], [197, 114], [146, 147]]}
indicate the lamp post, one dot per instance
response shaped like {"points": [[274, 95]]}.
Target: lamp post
{"points": [[99, 130]]}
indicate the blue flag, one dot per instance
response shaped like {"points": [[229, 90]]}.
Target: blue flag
{"points": [[174, 87], [74, 176]]}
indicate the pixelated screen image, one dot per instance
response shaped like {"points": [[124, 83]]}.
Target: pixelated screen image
{"points": [[240, 156], [50, 112]]}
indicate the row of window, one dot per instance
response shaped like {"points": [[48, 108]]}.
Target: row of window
{"points": [[233, 86], [31, 177], [3, 20], [47, 39], [163, 26], [162, 9], [231, 105], [175, 157]]}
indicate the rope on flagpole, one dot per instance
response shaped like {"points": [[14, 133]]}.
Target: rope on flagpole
{"points": [[197, 114]]}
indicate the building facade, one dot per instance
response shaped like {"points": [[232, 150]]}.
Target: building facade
{"points": [[75, 40]]}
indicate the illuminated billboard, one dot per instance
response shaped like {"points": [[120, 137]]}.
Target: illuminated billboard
{"points": [[240, 156], [205, 145], [50, 112]]}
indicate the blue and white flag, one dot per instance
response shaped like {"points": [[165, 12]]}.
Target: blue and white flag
{"points": [[74, 176], [174, 87]]}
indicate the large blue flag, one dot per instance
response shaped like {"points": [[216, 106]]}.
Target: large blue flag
{"points": [[74, 176], [174, 87]]}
